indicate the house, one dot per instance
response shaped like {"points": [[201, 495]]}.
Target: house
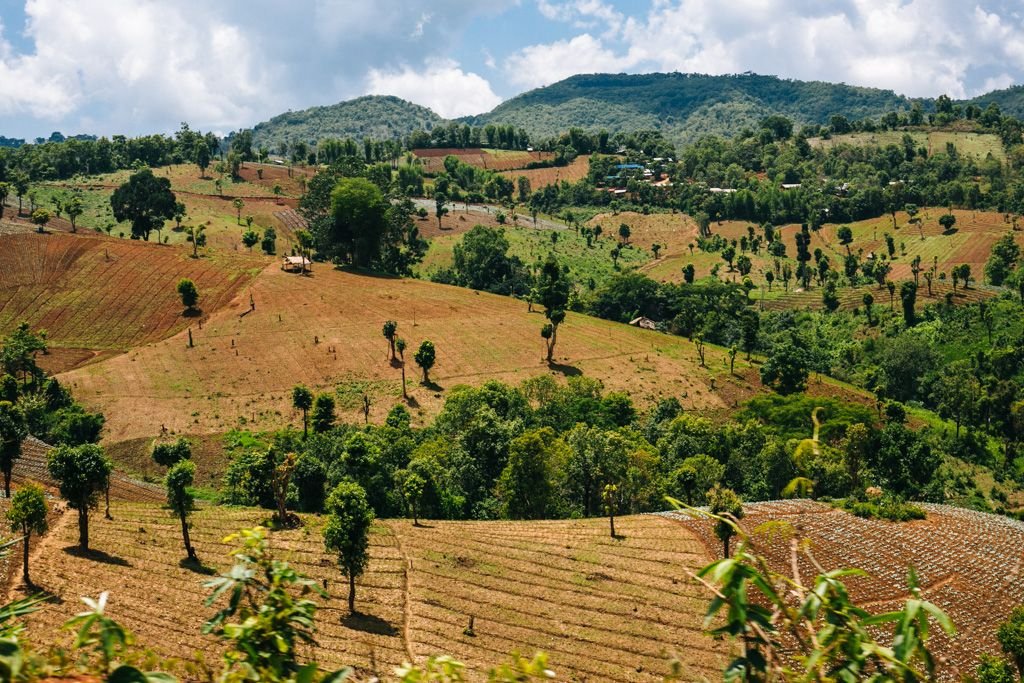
{"points": [[645, 323], [296, 264], [790, 186]]}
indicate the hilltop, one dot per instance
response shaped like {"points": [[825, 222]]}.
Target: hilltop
{"points": [[372, 116]]}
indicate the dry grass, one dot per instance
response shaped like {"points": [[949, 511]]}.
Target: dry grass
{"points": [[324, 330], [603, 609], [542, 177]]}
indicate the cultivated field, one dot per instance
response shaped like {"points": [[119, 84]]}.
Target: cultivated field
{"points": [[324, 330], [542, 177], [432, 159], [602, 609], [967, 562], [97, 293]]}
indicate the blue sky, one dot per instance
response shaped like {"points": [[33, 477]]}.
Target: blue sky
{"points": [[141, 66]]}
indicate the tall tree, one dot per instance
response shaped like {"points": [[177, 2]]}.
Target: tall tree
{"points": [[201, 156], [13, 430], [389, 331], [144, 200], [425, 357], [82, 472], [180, 500], [323, 413], [726, 504], [74, 208], [359, 222], [553, 295], [347, 532], [302, 399], [188, 293], [27, 515]]}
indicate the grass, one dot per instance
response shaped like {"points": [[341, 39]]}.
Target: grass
{"points": [[978, 145]]}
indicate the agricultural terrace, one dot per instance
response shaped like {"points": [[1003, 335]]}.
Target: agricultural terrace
{"points": [[98, 293], [602, 609], [967, 562], [977, 145], [542, 177], [432, 159], [325, 330]]}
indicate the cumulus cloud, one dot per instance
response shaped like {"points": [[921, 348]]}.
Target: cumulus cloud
{"points": [[442, 85], [918, 48]]}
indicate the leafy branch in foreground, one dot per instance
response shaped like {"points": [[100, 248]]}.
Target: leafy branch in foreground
{"points": [[787, 630]]}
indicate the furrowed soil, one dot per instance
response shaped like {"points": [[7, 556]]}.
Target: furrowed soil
{"points": [[602, 608]]}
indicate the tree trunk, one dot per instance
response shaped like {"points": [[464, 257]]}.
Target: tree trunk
{"points": [[611, 524], [107, 495], [351, 593], [83, 528], [405, 395], [7, 480], [725, 545], [24, 568], [188, 541]]}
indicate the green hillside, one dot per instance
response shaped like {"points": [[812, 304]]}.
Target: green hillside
{"points": [[372, 116], [1010, 100], [685, 106]]}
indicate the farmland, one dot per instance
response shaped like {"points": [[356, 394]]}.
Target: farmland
{"points": [[977, 145], [602, 609], [964, 559], [316, 330], [432, 159], [542, 177], [96, 293]]}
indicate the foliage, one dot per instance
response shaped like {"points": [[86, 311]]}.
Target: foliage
{"points": [[888, 507], [188, 292], [347, 531], [146, 201], [167, 454], [82, 472]]}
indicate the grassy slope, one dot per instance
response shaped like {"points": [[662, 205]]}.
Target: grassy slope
{"points": [[603, 609], [978, 145]]}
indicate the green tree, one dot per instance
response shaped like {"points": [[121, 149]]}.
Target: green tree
{"points": [[390, 331], [82, 473], [786, 368], [724, 503], [13, 430], [624, 233], [74, 208], [250, 238], [413, 486], [869, 300], [994, 670], [688, 273], [695, 476], [197, 236], [347, 532], [440, 210], [1004, 257], [323, 413], [189, 293], [358, 222], [1011, 637], [400, 347], [5, 192], [302, 399], [201, 156], [845, 235], [957, 392], [180, 499], [168, 454], [553, 295], [947, 221], [144, 200], [425, 357], [908, 297], [40, 217], [525, 486], [27, 515], [239, 204]]}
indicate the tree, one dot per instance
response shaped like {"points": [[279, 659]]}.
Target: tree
{"points": [[726, 504], [250, 238], [180, 500], [197, 236], [553, 295], [1011, 637], [655, 249], [323, 413], [180, 211], [525, 485], [688, 273], [830, 296], [786, 368], [947, 221], [891, 286], [728, 255], [74, 208], [908, 297], [356, 224], [610, 502], [1004, 257], [201, 156], [425, 357], [994, 670], [389, 331], [302, 399], [440, 210], [413, 486], [964, 272], [27, 514], [347, 532], [13, 430], [5, 192], [957, 392], [845, 235], [869, 301], [144, 200], [40, 217], [189, 293], [269, 242], [624, 233], [744, 264], [239, 204], [170, 454], [82, 473], [400, 347], [21, 185]]}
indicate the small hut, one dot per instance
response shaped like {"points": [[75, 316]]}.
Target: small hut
{"points": [[296, 264]]}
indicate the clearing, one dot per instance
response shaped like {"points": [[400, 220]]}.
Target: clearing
{"points": [[602, 609], [432, 159], [542, 177], [978, 145]]}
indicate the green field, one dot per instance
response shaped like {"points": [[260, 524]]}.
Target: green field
{"points": [[978, 145]]}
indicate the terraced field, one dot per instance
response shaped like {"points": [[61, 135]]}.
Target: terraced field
{"points": [[100, 293], [602, 609]]}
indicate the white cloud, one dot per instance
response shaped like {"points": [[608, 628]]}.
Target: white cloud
{"points": [[442, 85], [539, 65]]}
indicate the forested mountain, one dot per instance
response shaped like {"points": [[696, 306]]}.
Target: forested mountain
{"points": [[685, 106], [1010, 100], [372, 116]]}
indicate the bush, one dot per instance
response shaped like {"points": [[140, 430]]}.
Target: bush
{"points": [[891, 508]]}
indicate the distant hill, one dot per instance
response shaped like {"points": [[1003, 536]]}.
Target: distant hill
{"points": [[372, 116], [685, 106]]}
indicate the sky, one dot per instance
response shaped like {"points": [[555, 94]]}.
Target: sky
{"points": [[144, 66]]}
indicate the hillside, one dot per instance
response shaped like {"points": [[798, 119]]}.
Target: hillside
{"points": [[1010, 100], [685, 106], [325, 331], [371, 116]]}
